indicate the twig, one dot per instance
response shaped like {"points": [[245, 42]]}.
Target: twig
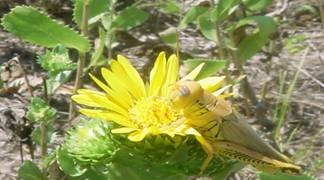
{"points": [[310, 76], [81, 61], [314, 48], [30, 89], [318, 106]]}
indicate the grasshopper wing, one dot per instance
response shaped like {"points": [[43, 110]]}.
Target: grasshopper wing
{"points": [[236, 129]]}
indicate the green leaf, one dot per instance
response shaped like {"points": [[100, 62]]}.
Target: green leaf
{"points": [[171, 6], [281, 176], [56, 61], [36, 134], [135, 167], [227, 169], [56, 81], [129, 18], [169, 36], [40, 111], [294, 44], [96, 7], [207, 26], [59, 66], [224, 9], [253, 43], [99, 50], [34, 26], [257, 5], [29, 171], [67, 164], [192, 15], [211, 67]]}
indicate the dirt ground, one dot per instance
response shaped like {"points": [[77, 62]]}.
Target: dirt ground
{"points": [[304, 122]]}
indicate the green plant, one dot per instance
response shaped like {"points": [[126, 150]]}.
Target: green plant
{"points": [[90, 149]]}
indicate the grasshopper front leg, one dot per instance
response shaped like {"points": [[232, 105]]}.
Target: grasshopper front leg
{"points": [[209, 151]]}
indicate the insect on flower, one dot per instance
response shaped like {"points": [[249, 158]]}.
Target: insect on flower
{"points": [[140, 109], [225, 132]]}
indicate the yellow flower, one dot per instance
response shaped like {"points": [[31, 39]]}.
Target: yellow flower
{"points": [[140, 108]]}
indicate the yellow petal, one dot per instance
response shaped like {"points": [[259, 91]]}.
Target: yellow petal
{"points": [[133, 75], [220, 91], [121, 73], [85, 100], [100, 84], [137, 136], [117, 85], [225, 95], [171, 74], [123, 130], [194, 73], [157, 75], [211, 83], [108, 116], [86, 91], [114, 96], [106, 103]]}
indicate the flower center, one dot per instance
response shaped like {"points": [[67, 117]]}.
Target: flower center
{"points": [[154, 111]]}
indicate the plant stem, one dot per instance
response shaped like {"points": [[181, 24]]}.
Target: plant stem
{"points": [[44, 133], [23, 71], [219, 41], [44, 146], [321, 7], [81, 61], [286, 100]]}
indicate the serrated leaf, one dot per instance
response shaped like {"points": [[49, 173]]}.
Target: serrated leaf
{"points": [[212, 66], [192, 15], [56, 81], [67, 164], [56, 61], [257, 5], [281, 176], [39, 110], [96, 7], [253, 43], [136, 167], [29, 171], [34, 26], [129, 18]]}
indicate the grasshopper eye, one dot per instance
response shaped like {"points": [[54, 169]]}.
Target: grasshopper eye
{"points": [[184, 91]]}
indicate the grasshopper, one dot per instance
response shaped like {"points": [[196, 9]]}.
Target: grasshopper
{"points": [[224, 131]]}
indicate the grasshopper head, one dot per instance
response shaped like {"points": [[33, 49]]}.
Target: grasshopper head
{"points": [[184, 93]]}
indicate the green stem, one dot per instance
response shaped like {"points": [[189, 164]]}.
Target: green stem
{"points": [[44, 146], [321, 7], [286, 100], [44, 133], [219, 41], [81, 61]]}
